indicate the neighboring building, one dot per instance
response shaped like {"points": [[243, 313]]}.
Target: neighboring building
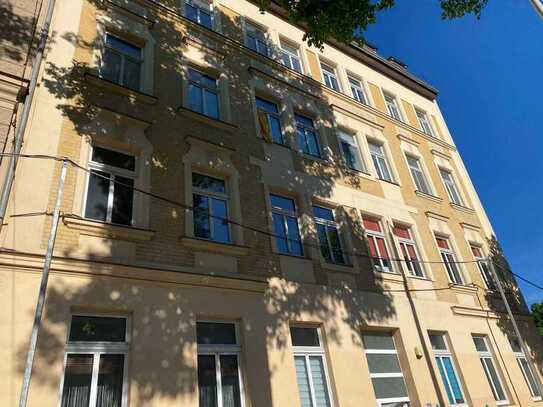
{"points": [[329, 164]]}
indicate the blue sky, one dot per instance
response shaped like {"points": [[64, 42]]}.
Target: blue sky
{"points": [[490, 76]]}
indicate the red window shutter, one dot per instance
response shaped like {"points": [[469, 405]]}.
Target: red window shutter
{"points": [[370, 224], [402, 232], [373, 249], [476, 251], [382, 248], [411, 252], [442, 243]]}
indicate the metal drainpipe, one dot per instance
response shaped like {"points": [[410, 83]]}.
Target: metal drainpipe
{"points": [[18, 141]]}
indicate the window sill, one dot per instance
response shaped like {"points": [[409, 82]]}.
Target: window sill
{"points": [[214, 247], [464, 288], [433, 198], [314, 158], [295, 256], [388, 275], [338, 267], [207, 120], [462, 208], [362, 174], [389, 182], [107, 230], [133, 95]]}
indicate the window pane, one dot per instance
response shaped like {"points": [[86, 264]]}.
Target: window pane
{"points": [[312, 144], [207, 183], [110, 381], [383, 363], [323, 241], [438, 342], [296, 64], [111, 66], [480, 344], [493, 378], [216, 333], [207, 381], [319, 381], [211, 102], [221, 229], [132, 74], [302, 378], [191, 12], [267, 106], [283, 203], [335, 243], [294, 236], [123, 46], [275, 127], [280, 232], [389, 387], [323, 213], [113, 158], [382, 341], [97, 329], [77, 381], [205, 19], [123, 198], [202, 227], [456, 395], [532, 384], [231, 396], [304, 336], [196, 100], [97, 196], [351, 155]]}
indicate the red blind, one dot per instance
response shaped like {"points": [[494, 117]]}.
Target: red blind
{"points": [[382, 248], [373, 249], [442, 243], [402, 232], [476, 251], [411, 252], [370, 224]]}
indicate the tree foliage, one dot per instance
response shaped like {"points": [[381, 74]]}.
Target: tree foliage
{"points": [[347, 20], [537, 315]]}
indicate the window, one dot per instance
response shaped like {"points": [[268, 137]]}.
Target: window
{"points": [[419, 177], [449, 260], [487, 361], [380, 161], [270, 122], [285, 225], [450, 186], [121, 62], [199, 12], [110, 193], [409, 251], [531, 380], [483, 267], [290, 56], [328, 234], [392, 106], [307, 135], [311, 371], [256, 39], [210, 203], [385, 370], [351, 152], [330, 76], [447, 370], [96, 362], [358, 90], [377, 245], [425, 122], [203, 94], [219, 378]]}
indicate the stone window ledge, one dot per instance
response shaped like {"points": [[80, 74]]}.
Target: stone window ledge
{"points": [[108, 231], [214, 247], [434, 198], [133, 95], [207, 120], [462, 208], [468, 289]]}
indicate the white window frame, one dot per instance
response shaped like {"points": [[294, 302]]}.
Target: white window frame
{"points": [[96, 349], [252, 30], [307, 129], [379, 160], [394, 351], [334, 224], [519, 356], [213, 195], [202, 86], [306, 352], [276, 115], [424, 122], [356, 83], [393, 106], [284, 213], [372, 234], [332, 72], [446, 353], [223, 350], [451, 186], [290, 55], [480, 261], [449, 257], [113, 172], [488, 356], [420, 170], [200, 5], [410, 242], [351, 139], [124, 56]]}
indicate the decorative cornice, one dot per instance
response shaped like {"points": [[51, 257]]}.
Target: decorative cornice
{"points": [[437, 216]]}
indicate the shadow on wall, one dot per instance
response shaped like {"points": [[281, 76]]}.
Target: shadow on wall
{"points": [[16, 33]]}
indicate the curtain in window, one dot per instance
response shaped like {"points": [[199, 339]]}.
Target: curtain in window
{"points": [[230, 381], [319, 381], [77, 381], [110, 381], [207, 381], [303, 382]]}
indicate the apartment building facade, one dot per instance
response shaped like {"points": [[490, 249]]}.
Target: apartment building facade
{"points": [[246, 221]]}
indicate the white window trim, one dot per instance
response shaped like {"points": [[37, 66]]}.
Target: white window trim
{"points": [[447, 353], [124, 56], [451, 251], [202, 4], [425, 114], [258, 27], [361, 85], [114, 172], [216, 91], [320, 145], [371, 234], [454, 184], [396, 104], [298, 53], [522, 356], [306, 352], [96, 349], [487, 355], [422, 169], [284, 214], [334, 72], [411, 242], [335, 224], [279, 116], [356, 144], [479, 266], [385, 156]]}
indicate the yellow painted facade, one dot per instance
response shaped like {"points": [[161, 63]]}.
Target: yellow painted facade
{"points": [[159, 274]]}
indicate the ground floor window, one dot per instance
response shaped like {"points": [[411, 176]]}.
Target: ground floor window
{"points": [[219, 376], [491, 373], [447, 369], [95, 364]]}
